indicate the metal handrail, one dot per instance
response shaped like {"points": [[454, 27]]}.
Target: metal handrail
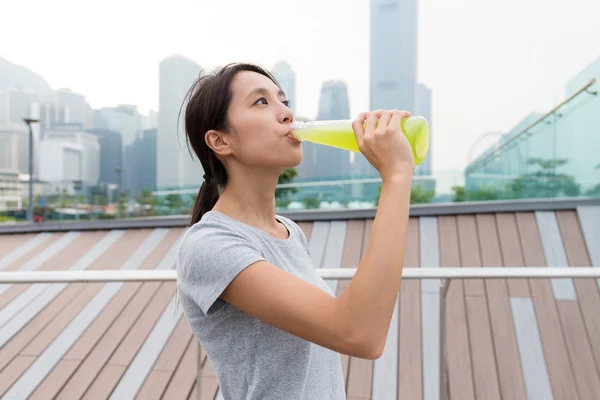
{"points": [[490, 154], [16, 277]]}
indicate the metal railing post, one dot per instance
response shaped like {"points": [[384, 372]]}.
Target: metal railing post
{"points": [[444, 385]]}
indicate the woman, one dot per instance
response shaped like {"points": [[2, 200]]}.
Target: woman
{"points": [[270, 326]]}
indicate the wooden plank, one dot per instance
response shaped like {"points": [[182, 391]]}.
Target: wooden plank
{"points": [[410, 379], [563, 288], [529, 341], [112, 258], [460, 370], [54, 328], [361, 371], [13, 372], [485, 371], [333, 252], [586, 372], [128, 346], [318, 241], [553, 340], [306, 228], [512, 254], [29, 332], [589, 217], [155, 385], [350, 259], [98, 357], [32, 243], [33, 300], [587, 289], [41, 258], [430, 308], [174, 349], [52, 385], [194, 394], [470, 253], [508, 362], [104, 382], [209, 385], [385, 369], [55, 351], [140, 367], [12, 241]]}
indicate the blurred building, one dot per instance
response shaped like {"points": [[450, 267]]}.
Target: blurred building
{"points": [[67, 157], [140, 163], [15, 105], [286, 77], [393, 55], [176, 168]]}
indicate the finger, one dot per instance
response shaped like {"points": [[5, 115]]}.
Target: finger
{"points": [[372, 118], [397, 118], [358, 126], [384, 120]]}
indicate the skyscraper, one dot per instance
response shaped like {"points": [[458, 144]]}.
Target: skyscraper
{"points": [[175, 167], [332, 163], [393, 54], [286, 77]]}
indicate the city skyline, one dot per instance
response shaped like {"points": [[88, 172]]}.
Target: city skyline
{"points": [[484, 63]]}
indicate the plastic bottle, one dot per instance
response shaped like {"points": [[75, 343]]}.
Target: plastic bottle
{"points": [[339, 134]]}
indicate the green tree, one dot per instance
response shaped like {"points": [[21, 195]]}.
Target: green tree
{"points": [[545, 181], [122, 203], [146, 199], [311, 202], [286, 176], [460, 194], [418, 195], [175, 202]]}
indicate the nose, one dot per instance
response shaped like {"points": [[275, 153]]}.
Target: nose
{"points": [[285, 115]]}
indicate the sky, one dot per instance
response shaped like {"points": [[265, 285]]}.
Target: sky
{"points": [[488, 63]]}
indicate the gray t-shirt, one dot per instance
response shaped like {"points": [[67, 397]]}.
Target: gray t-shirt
{"points": [[252, 360]]}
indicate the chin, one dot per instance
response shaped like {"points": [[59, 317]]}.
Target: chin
{"points": [[295, 158]]}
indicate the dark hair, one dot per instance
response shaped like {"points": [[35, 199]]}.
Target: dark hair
{"points": [[209, 99]]}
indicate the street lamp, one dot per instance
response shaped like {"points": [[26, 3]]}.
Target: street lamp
{"points": [[30, 121]]}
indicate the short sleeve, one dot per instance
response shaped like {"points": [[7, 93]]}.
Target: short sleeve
{"points": [[297, 231], [209, 258]]}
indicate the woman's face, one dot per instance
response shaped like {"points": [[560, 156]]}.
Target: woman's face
{"points": [[260, 122]]}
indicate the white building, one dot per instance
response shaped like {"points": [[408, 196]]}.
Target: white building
{"points": [[16, 104], [124, 119], [175, 168], [74, 105], [69, 156]]}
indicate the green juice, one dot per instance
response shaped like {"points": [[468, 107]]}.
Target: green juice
{"points": [[339, 134]]}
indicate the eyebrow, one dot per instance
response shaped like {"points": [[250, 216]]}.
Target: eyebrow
{"points": [[264, 92]]}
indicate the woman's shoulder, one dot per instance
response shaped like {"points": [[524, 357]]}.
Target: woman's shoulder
{"points": [[209, 235]]}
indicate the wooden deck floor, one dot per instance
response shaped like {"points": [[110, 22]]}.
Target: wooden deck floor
{"points": [[507, 339]]}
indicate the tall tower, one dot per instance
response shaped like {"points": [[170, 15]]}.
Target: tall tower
{"points": [[393, 54], [286, 77], [175, 168]]}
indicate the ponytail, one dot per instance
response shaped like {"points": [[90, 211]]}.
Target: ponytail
{"points": [[206, 200], [210, 189]]}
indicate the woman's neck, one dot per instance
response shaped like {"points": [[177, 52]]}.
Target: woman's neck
{"points": [[250, 199]]}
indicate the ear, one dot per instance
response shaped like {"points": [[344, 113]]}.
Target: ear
{"points": [[219, 142]]}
